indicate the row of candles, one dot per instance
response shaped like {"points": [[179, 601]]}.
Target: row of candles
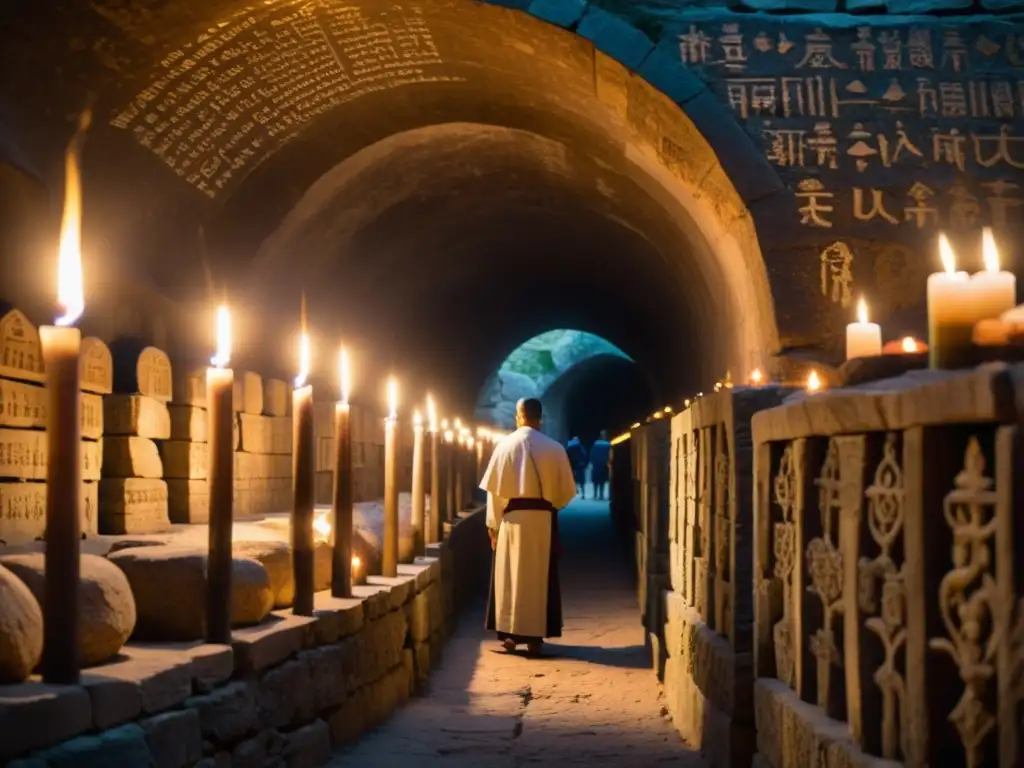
{"points": [[61, 349]]}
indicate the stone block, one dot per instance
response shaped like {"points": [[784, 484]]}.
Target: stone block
{"points": [[615, 36], [276, 558], [281, 434], [276, 398], [259, 647], [106, 605], [188, 501], [255, 433], [327, 673], [227, 715], [190, 386], [23, 510], [280, 466], [21, 356], [184, 460], [95, 367], [21, 628], [337, 617], [114, 701], [284, 695], [308, 745], [174, 738], [124, 745], [248, 393], [35, 715], [125, 457], [259, 751], [132, 505], [23, 455], [189, 422], [136, 415], [141, 369]]}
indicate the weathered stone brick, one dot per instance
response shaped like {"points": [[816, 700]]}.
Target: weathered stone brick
{"points": [[174, 738]]}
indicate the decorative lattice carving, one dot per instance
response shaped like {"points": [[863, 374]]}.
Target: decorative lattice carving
{"points": [[784, 551], [967, 596], [887, 621], [825, 565]]}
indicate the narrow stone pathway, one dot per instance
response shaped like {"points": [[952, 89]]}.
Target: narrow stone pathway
{"points": [[592, 700]]}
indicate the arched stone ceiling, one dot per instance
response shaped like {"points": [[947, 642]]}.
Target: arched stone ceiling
{"points": [[500, 179]]}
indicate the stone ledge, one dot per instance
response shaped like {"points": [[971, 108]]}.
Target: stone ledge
{"points": [[918, 398], [34, 715], [792, 732]]}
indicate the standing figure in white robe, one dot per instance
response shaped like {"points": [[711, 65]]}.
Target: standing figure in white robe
{"points": [[527, 481]]}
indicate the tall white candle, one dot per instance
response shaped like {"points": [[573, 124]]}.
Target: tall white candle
{"points": [[863, 339], [950, 313], [993, 291]]}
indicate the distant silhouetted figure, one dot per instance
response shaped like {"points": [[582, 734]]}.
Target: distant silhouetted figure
{"points": [[600, 453], [527, 481], [578, 458]]}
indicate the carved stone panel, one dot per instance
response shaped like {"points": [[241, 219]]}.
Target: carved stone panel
{"points": [[96, 367], [154, 374], [21, 356]]}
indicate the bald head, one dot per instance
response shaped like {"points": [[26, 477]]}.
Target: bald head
{"points": [[528, 413]]}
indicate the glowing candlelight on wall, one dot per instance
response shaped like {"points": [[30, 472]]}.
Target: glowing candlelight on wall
{"points": [[220, 386], [431, 414], [341, 574], [863, 339], [389, 555], [433, 533], [813, 382], [417, 488], [61, 347], [756, 377], [909, 345]]}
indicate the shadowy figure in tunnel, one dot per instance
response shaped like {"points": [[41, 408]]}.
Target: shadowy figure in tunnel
{"points": [[578, 459], [600, 453], [527, 481]]}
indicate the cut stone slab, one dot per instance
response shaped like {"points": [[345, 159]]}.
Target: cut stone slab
{"points": [[34, 715], [125, 745], [276, 558], [133, 505], [136, 415], [188, 501], [185, 459], [190, 386], [106, 605], [21, 630], [169, 583], [248, 394], [276, 397], [131, 457], [174, 738], [189, 422], [141, 369], [95, 367]]}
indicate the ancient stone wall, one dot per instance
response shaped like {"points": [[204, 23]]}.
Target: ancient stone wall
{"points": [[286, 691]]}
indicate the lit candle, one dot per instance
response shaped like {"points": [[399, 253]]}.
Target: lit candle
{"points": [[756, 377], [813, 382], [908, 345], [993, 291], [418, 496], [434, 530], [341, 575], [220, 387], [863, 339], [449, 475], [460, 480], [479, 460], [61, 346], [356, 573], [389, 557], [304, 446], [950, 315]]}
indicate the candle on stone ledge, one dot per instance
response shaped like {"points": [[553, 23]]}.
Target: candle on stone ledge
{"points": [[61, 346], [448, 449], [389, 556], [356, 573], [950, 315], [994, 291], [813, 382], [304, 479], [341, 573], [434, 529], [459, 451], [220, 385], [863, 339], [418, 495], [756, 379]]}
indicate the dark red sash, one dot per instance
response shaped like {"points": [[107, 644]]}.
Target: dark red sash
{"points": [[518, 504]]}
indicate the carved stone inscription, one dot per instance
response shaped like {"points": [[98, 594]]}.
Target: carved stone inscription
{"points": [[96, 367], [23, 510], [20, 354], [907, 124], [223, 102]]}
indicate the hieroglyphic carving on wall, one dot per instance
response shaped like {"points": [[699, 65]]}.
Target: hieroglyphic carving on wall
{"points": [[904, 124], [784, 554], [222, 102], [825, 565], [837, 274], [967, 601], [887, 616]]}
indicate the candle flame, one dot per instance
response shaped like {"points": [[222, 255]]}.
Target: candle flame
{"points": [[223, 330], [70, 290], [862, 311], [304, 360], [431, 414], [636, 425], [458, 425], [813, 382], [470, 442], [356, 562], [322, 527], [417, 419], [444, 424], [946, 254], [756, 377], [989, 251], [909, 344], [392, 397], [345, 375], [449, 436], [668, 409], [657, 414]]}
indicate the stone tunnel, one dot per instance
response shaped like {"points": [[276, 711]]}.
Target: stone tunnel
{"points": [[658, 201]]}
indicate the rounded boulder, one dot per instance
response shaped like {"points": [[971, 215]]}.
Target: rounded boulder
{"points": [[21, 629], [105, 600]]}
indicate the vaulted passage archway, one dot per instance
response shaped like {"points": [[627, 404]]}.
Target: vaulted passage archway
{"points": [[481, 177]]}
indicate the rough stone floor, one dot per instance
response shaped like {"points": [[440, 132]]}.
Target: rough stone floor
{"points": [[592, 700]]}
